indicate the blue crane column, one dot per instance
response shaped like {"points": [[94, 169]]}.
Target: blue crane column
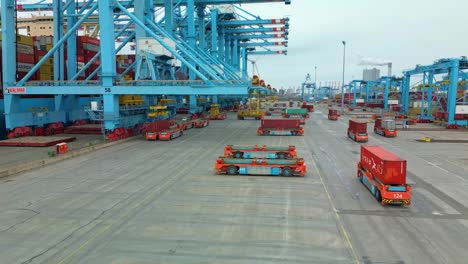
{"points": [[214, 32], [192, 43], [11, 102], [405, 93], [235, 54], [429, 95], [227, 49], [58, 34], [111, 100], [169, 16], [201, 26], [191, 30], [423, 100], [388, 81], [221, 37], [368, 86], [70, 103], [354, 93], [452, 91], [245, 75]]}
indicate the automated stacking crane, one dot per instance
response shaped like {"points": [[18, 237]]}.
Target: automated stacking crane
{"points": [[358, 93], [210, 68], [381, 93], [449, 96], [307, 84], [322, 93]]}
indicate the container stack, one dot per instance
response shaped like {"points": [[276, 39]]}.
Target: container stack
{"points": [[87, 48], [24, 57], [42, 45], [30, 50], [123, 62]]}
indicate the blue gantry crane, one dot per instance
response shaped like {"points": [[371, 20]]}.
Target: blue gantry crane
{"points": [[309, 85], [204, 55], [383, 91], [449, 93]]}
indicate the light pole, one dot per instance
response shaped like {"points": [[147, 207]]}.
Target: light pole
{"points": [[315, 75], [343, 83]]}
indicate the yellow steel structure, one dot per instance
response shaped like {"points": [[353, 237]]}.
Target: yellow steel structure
{"points": [[214, 111], [253, 109], [163, 102], [157, 110], [131, 100]]}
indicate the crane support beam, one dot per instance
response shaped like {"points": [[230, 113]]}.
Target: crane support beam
{"points": [[260, 36], [270, 52], [48, 6], [236, 23], [255, 30], [263, 44], [139, 88]]}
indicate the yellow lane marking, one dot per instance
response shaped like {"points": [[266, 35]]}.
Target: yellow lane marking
{"points": [[337, 216]]}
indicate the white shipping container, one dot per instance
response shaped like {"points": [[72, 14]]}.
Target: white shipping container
{"points": [[24, 67], [393, 102], [418, 104], [226, 9], [388, 124], [94, 105], [49, 40], [24, 49], [79, 66], [154, 47], [461, 109], [91, 47], [359, 100]]}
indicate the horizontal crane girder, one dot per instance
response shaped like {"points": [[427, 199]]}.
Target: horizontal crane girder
{"points": [[49, 6], [140, 90]]}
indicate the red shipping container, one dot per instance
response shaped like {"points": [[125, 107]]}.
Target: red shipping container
{"points": [[332, 112], [158, 126], [20, 75], [279, 105], [280, 123], [40, 53], [90, 40], [378, 122], [396, 108], [357, 126], [24, 67], [25, 58], [384, 165], [24, 49]]}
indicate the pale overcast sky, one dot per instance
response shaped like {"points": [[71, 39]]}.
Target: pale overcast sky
{"points": [[406, 32]]}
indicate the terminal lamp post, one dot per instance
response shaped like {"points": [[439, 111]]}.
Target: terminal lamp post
{"points": [[343, 83]]}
